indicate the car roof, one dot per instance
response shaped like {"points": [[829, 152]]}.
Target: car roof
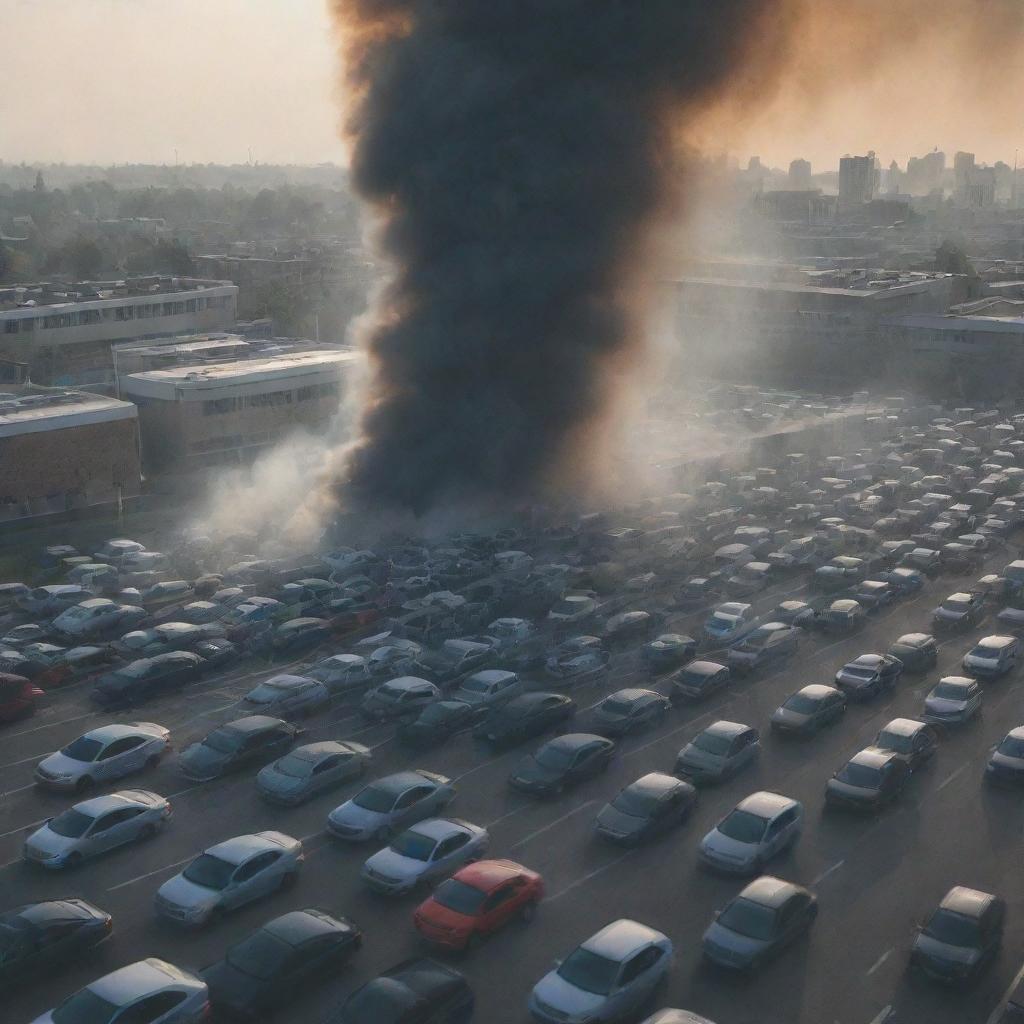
{"points": [[904, 727], [632, 693], [723, 727], [126, 984], [97, 602], [969, 902], [872, 757], [407, 683], [960, 595], [915, 639], [316, 751], [399, 782], [437, 828], [844, 604], [618, 940], [765, 804], [287, 682], [241, 848], [251, 723], [867, 659], [770, 891], [98, 805], [654, 784], [572, 741], [493, 675], [117, 731], [732, 608], [703, 668], [817, 691], [486, 874], [963, 682], [997, 641], [298, 926]]}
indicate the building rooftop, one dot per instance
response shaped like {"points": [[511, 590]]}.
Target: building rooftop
{"points": [[29, 412], [57, 293]]}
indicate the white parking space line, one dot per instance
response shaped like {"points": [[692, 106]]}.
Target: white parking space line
{"points": [[25, 760], [20, 789], [48, 725], [24, 828], [828, 871], [587, 877], [507, 814], [150, 874], [476, 768], [949, 778], [10, 863], [883, 1016], [533, 835], [878, 963], [679, 728], [996, 1013], [182, 792]]}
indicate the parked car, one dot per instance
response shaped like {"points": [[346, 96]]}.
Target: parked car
{"points": [[766, 645], [1006, 762], [423, 853], [873, 595], [962, 937], [489, 688], [299, 635], [416, 990], [954, 700], [564, 761], [230, 875], [577, 660], [912, 741], [959, 611], [869, 675], [476, 901], [94, 617], [389, 804], [699, 680], [18, 697], [53, 599], [146, 678], [868, 781], [730, 622], [718, 752], [759, 923], [809, 710], [839, 573], [627, 626], [102, 755], [926, 560], [149, 990], [905, 581], [992, 656], [668, 651], [573, 608], [649, 807], [95, 826], [758, 828], [524, 717], [629, 710], [288, 696], [609, 977], [843, 617], [401, 698], [255, 739], [280, 961], [436, 722], [917, 652], [311, 769], [41, 936], [342, 674], [169, 636], [697, 591]]}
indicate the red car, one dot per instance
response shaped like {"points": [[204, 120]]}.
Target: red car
{"points": [[18, 697], [477, 901]]}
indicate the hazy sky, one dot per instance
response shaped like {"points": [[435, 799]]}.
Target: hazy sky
{"points": [[134, 80]]}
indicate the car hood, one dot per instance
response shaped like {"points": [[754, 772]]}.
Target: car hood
{"points": [[203, 761], [233, 988], [61, 764], [183, 893], [944, 951], [743, 947], [732, 849], [530, 770], [700, 758], [616, 821], [560, 995], [392, 864], [786, 716], [350, 813], [46, 841], [270, 778]]}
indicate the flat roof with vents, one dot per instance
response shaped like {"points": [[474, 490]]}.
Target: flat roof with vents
{"points": [[32, 413]]}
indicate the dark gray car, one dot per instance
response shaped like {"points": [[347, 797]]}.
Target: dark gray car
{"points": [[311, 769], [649, 807], [809, 710], [718, 752]]}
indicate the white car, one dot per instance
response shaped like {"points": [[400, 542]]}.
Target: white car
{"points": [[509, 632], [94, 826], [94, 616], [424, 853], [342, 673], [104, 754], [229, 875], [489, 688], [756, 829], [151, 991], [609, 977]]}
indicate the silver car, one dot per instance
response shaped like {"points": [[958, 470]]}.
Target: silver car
{"points": [[104, 754], [342, 673], [230, 875], [954, 700], [424, 853], [718, 752], [607, 978], [95, 826], [489, 688], [150, 990], [390, 804], [311, 769], [287, 696], [755, 830]]}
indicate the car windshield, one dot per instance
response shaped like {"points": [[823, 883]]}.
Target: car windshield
{"points": [[84, 1007], [986, 651], [567, 607], [209, 871], [952, 929], [457, 896], [950, 691], [746, 917], [226, 741], [555, 758], [476, 686], [894, 741], [1012, 746], [83, 749], [955, 606], [802, 704], [743, 826], [617, 706], [859, 671], [635, 803], [434, 714], [259, 956], [374, 798], [590, 972], [723, 622], [295, 767], [713, 743], [71, 824], [414, 845], [860, 775]]}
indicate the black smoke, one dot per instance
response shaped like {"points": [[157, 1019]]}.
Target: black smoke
{"points": [[519, 153]]}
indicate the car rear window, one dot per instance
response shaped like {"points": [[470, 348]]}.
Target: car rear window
{"points": [[743, 826], [414, 845], [373, 798], [1012, 746], [259, 956], [860, 775], [895, 742], [802, 704], [748, 918], [84, 1007], [459, 897], [711, 743]]}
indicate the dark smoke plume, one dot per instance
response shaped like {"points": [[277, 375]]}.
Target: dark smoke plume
{"points": [[519, 154]]}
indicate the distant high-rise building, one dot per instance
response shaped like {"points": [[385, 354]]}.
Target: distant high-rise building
{"points": [[800, 174], [858, 179], [924, 173], [963, 174], [893, 179]]}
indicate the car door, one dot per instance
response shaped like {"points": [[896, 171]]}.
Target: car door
{"points": [[637, 979], [105, 832], [253, 879], [151, 1009], [411, 806], [329, 771], [124, 755], [54, 943], [583, 763], [793, 917], [448, 854], [500, 905]]}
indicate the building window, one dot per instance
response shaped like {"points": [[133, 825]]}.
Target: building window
{"points": [[218, 406], [10, 327], [28, 324], [190, 305], [124, 313], [316, 391]]}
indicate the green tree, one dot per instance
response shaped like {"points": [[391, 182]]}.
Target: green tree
{"points": [[951, 259]]}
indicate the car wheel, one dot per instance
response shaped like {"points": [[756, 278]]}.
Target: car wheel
{"points": [[383, 834], [152, 761], [150, 831], [473, 942], [84, 784], [288, 880]]}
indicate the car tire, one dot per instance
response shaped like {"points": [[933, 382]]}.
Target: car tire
{"points": [[474, 942], [288, 881], [151, 762], [150, 831], [383, 834]]}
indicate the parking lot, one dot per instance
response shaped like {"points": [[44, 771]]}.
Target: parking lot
{"points": [[877, 877]]}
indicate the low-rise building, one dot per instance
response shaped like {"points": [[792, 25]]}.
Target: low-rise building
{"points": [[64, 450]]}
